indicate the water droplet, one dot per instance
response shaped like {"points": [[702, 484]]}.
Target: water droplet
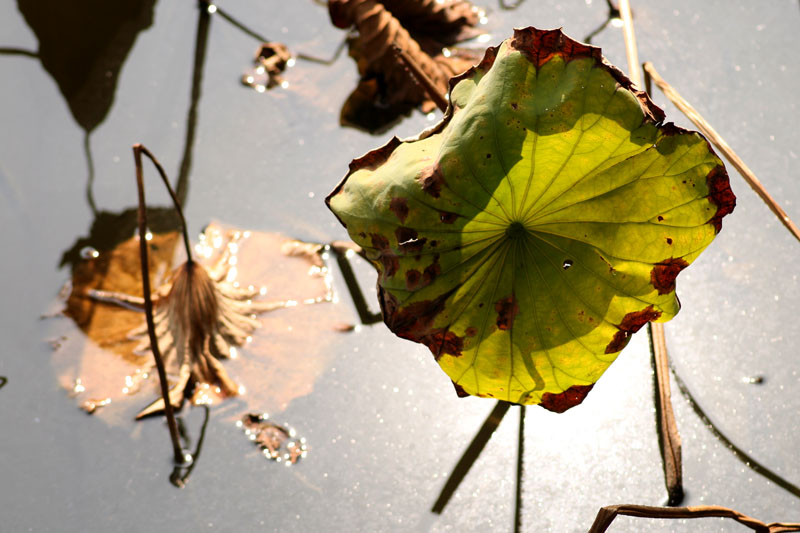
{"points": [[88, 252], [567, 264]]}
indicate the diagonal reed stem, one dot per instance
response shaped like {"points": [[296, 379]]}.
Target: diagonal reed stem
{"points": [[138, 149], [715, 138]]}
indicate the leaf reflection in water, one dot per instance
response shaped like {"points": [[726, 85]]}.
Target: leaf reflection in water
{"points": [[279, 361]]}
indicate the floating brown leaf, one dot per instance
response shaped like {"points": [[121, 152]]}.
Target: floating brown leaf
{"points": [[282, 359], [449, 21], [392, 88], [270, 61]]}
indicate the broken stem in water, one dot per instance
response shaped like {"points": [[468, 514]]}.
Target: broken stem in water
{"points": [[668, 436], [138, 149], [714, 137], [606, 515]]}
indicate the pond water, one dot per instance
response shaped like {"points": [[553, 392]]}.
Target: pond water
{"points": [[382, 425]]}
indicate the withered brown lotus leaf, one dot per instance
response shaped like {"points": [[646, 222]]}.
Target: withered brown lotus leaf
{"points": [[210, 333]]}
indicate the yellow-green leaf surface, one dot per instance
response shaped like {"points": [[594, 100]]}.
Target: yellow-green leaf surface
{"points": [[539, 225]]}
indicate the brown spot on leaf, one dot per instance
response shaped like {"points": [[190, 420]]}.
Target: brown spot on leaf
{"points": [[514, 105], [720, 194], [443, 341], [558, 403], [660, 218], [431, 271], [471, 331], [399, 206], [664, 273], [539, 46], [431, 180], [412, 279], [507, 309], [386, 256], [460, 390], [407, 240], [414, 321], [447, 217], [669, 241], [631, 323]]}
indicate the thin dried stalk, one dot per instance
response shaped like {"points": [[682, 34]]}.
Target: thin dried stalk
{"points": [[711, 134], [631, 51], [606, 515], [669, 437], [148, 302]]}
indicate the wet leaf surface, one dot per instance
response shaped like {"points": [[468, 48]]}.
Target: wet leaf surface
{"points": [[544, 221], [279, 324]]}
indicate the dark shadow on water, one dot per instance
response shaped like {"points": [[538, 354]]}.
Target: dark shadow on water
{"points": [[108, 229], [737, 452], [12, 51], [83, 45], [180, 474], [470, 455], [613, 14], [200, 47], [474, 450], [354, 289]]}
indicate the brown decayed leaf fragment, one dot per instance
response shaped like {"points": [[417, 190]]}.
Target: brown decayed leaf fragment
{"points": [[450, 20], [270, 61], [389, 85], [279, 364]]}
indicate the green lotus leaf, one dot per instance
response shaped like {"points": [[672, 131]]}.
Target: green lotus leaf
{"points": [[527, 236]]}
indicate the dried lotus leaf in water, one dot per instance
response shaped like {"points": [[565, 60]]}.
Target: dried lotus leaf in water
{"points": [[275, 361]]}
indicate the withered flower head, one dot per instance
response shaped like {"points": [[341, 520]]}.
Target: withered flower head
{"points": [[200, 318]]}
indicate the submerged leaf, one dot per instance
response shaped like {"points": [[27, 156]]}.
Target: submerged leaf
{"points": [[276, 357], [539, 225]]}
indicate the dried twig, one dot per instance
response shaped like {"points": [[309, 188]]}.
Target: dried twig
{"points": [[668, 435], [606, 515], [631, 51], [138, 149], [520, 471], [706, 129]]}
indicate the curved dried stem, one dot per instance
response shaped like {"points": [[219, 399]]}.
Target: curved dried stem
{"points": [[606, 515], [138, 149]]}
